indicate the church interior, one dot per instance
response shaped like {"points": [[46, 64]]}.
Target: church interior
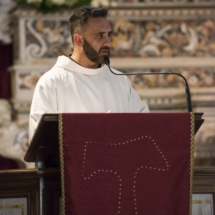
{"points": [[149, 36]]}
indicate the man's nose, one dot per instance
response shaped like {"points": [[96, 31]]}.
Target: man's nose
{"points": [[107, 42]]}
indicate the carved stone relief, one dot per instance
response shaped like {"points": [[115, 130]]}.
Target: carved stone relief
{"points": [[46, 38], [13, 138], [163, 38], [43, 38], [196, 78], [5, 21]]}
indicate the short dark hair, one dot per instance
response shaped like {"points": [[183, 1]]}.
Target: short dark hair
{"points": [[81, 15]]}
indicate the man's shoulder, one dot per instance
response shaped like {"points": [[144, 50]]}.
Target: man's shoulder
{"points": [[59, 68], [119, 75], [55, 74]]}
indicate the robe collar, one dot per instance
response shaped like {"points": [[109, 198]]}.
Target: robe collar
{"points": [[69, 64]]}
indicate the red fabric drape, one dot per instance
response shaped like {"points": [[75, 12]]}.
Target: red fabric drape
{"points": [[126, 163], [6, 163], [6, 60]]}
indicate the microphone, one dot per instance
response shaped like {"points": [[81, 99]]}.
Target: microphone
{"points": [[187, 89]]}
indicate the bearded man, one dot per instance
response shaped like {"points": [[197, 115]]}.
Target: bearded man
{"points": [[82, 82]]}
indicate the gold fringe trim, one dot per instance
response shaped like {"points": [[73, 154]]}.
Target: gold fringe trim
{"points": [[60, 128], [192, 134]]}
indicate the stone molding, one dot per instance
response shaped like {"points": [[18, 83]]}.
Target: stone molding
{"points": [[140, 11], [145, 13]]}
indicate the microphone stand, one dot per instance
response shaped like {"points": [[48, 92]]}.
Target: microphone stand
{"points": [[187, 89]]}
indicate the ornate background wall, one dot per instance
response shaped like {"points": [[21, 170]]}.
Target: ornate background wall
{"points": [[151, 35]]}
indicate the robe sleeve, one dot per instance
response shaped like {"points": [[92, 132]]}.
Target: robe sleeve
{"points": [[44, 101], [135, 103]]}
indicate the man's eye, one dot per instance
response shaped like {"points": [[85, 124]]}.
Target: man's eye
{"points": [[100, 36], [109, 35]]}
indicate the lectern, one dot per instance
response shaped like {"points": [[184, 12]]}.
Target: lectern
{"points": [[106, 130], [42, 186]]}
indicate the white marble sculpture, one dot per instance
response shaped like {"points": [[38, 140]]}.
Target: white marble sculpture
{"points": [[13, 139]]}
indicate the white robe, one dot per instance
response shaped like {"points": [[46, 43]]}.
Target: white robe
{"points": [[69, 87]]}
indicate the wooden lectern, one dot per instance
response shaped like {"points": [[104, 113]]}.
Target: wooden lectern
{"points": [[41, 187]]}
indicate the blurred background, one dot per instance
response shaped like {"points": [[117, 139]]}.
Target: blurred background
{"points": [[149, 36]]}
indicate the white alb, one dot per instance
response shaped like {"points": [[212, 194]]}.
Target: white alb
{"points": [[69, 87]]}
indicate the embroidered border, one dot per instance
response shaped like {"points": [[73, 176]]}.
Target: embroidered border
{"points": [[60, 128], [192, 134]]}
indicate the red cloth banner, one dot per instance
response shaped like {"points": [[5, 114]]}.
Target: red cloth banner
{"points": [[126, 163]]}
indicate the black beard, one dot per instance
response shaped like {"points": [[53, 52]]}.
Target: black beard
{"points": [[93, 55]]}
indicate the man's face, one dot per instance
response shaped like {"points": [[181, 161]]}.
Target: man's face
{"points": [[97, 39]]}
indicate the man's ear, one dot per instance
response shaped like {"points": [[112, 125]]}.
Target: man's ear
{"points": [[78, 39]]}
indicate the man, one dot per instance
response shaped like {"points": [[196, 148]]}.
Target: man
{"points": [[81, 82]]}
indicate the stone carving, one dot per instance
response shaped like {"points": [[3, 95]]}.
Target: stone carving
{"points": [[46, 38], [5, 21], [34, 49], [196, 77], [204, 141], [13, 138], [28, 80], [163, 38]]}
